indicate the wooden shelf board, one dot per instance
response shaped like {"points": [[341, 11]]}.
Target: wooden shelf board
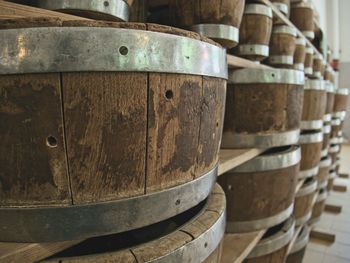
{"points": [[299, 185], [331, 208], [296, 234], [238, 246], [237, 62], [229, 159]]}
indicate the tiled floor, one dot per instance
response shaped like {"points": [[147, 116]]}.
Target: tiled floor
{"points": [[339, 224]]}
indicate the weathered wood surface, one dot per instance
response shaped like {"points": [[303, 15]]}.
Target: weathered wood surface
{"points": [[303, 205], [309, 60], [321, 235], [302, 18], [299, 54], [310, 155], [282, 44], [237, 62], [315, 103], [340, 102], [277, 256], [330, 102], [331, 208], [296, 257]]}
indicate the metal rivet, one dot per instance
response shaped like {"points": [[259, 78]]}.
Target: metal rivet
{"points": [[51, 141], [123, 50]]}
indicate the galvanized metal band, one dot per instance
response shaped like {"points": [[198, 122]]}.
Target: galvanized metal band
{"points": [[336, 140], [299, 66], [47, 224], [327, 118], [309, 50], [284, 60], [71, 49], [256, 9], [258, 50], [284, 8], [217, 31], [329, 69], [315, 137], [302, 240], [318, 56], [317, 74], [326, 162], [259, 224], [308, 173], [340, 115], [322, 196], [302, 220], [332, 175], [267, 162], [334, 148], [313, 221], [315, 84], [335, 121], [322, 185], [302, 4], [308, 188], [238, 141], [343, 91], [308, 70], [269, 245], [271, 76], [324, 152], [311, 125], [301, 41], [115, 8], [283, 29], [309, 34]]}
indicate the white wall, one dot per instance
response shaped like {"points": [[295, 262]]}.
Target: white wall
{"points": [[321, 7], [344, 23]]}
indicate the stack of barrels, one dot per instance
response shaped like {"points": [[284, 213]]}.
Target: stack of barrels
{"points": [[112, 140]]}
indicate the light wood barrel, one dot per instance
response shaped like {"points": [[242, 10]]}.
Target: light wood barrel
{"points": [[273, 247], [283, 6], [340, 103], [275, 98], [302, 16], [318, 67], [304, 201], [296, 255], [311, 146], [336, 128], [323, 172], [300, 54], [315, 103], [255, 32], [111, 10], [282, 46], [319, 206], [193, 236], [309, 61], [123, 141], [247, 185], [330, 89], [332, 176], [326, 139], [216, 19]]}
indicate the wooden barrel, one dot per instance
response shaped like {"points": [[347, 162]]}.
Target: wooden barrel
{"points": [[309, 61], [336, 128], [323, 172], [193, 236], [299, 54], [330, 101], [251, 205], [304, 201], [314, 107], [272, 119], [123, 142], [282, 46], [302, 16], [329, 74], [111, 10], [216, 19], [255, 32], [326, 139], [296, 255], [273, 247], [332, 176], [319, 206], [337, 164], [334, 149], [311, 146], [340, 103], [318, 67], [283, 6]]}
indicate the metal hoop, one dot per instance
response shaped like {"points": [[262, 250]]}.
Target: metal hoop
{"points": [[217, 31]]}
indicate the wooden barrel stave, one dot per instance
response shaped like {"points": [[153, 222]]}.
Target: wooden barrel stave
{"points": [[332, 176], [194, 235], [318, 67], [309, 60], [323, 173], [300, 54], [283, 6], [302, 16], [251, 183], [297, 252], [137, 116], [326, 139], [273, 119], [319, 206]]}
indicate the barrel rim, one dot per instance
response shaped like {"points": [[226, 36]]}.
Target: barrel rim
{"points": [[218, 31], [253, 49], [327, 162], [284, 29], [149, 209], [342, 91], [315, 137], [330, 87], [282, 159], [86, 49], [322, 185], [281, 60], [268, 76], [302, 220], [334, 148], [322, 196], [336, 140], [258, 9], [336, 121], [309, 34], [339, 115], [308, 173], [282, 7], [302, 4], [259, 224], [299, 66], [307, 188], [314, 84], [309, 50], [327, 128], [300, 41], [276, 241], [302, 240], [116, 8], [308, 70]]}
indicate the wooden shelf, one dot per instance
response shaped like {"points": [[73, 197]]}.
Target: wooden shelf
{"points": [[237, 62], [238, 246]]}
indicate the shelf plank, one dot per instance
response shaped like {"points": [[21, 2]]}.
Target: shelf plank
{"points": [[237, 62], [299, 185], [229, 159], [292, 242], [31, 252], [335, 209], [238, 246], [339, 188]]}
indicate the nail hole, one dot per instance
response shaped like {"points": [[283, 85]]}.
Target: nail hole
{"points": [[123, 50], [217, 124], [177, 202], [106, 3], [51, 141], [169, 94], [273, 75], [205, 244]]}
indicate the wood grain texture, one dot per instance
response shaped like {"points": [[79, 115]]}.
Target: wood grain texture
{"points": [[296, 257], [318, 209], [323, 174], [330, 102], [340, 102], [315, 103], [318, 66], [275, 108], [303, 205], [33, 172], [310, 155], [302, 18], [309, 60], [330, 208], [275, 257], [282, 44], [299, 54], [257, 195]]}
